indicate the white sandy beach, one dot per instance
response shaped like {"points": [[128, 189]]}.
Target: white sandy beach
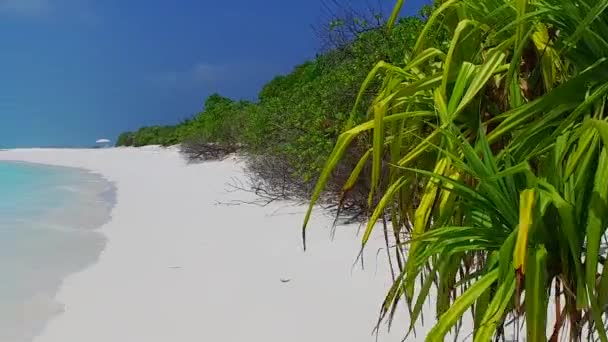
{"points": [[180, 267]]}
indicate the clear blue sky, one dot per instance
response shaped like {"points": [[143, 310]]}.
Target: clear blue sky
{"points": [[73, 71]]}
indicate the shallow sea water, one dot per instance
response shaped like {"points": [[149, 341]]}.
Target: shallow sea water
{"points": [[48, 221]]}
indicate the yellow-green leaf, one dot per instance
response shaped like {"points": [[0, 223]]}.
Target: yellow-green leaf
{"points": [[449, 318], [536, 295], [527, 203]]}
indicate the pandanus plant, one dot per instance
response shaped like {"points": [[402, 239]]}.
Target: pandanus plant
{"points": [[488, 156]]}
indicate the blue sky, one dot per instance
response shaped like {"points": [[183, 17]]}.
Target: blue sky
{"points": [[73, 71]]}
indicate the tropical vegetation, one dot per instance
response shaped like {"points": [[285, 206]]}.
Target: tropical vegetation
{"points": [[297, 117], [489, 160]]}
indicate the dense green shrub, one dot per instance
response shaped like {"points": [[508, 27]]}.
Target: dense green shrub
{"points": [[490, 159], [125, 139], [154, 135], [298, 116]]}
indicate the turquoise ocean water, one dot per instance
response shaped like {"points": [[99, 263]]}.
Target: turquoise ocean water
{"points": [[48, 217]]}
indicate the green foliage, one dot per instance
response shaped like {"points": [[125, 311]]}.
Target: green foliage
{"points": [[490, 157], [154, 135], [125, 139], [221, 122], [299, 115]]}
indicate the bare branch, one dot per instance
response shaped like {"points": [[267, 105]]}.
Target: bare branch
{"points": [[341, 23], [199, 149]]}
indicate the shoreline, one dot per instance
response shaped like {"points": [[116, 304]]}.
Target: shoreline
{"points": [[178, 266], [55, 236]]}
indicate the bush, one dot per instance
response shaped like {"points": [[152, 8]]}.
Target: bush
{"points": [[125, 139], [298, 116], [155, 135], [496, 180], [200, 149]]}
